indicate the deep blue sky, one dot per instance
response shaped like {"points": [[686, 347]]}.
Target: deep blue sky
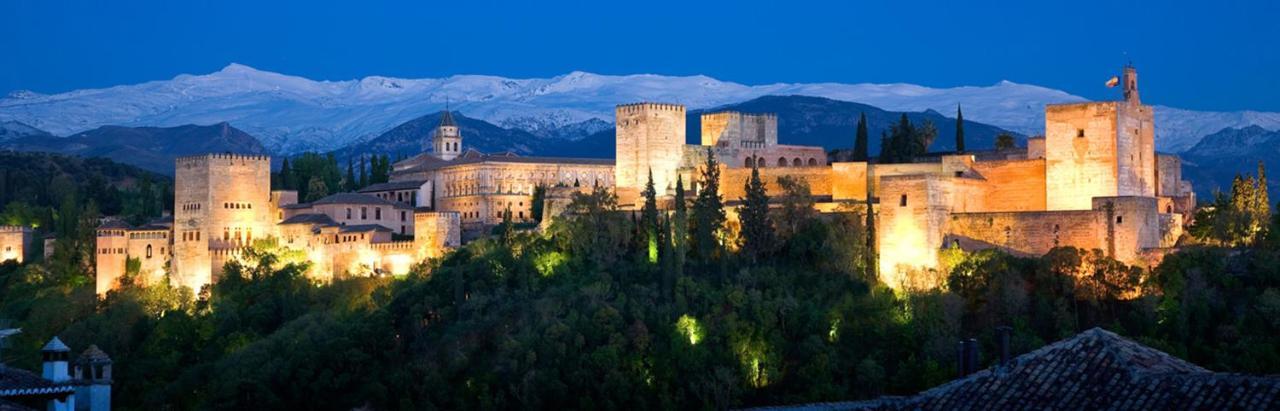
{"points": [[1208, 55]]}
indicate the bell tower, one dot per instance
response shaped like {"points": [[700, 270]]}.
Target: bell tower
{"points": [[447, 141], [1130, 81]]}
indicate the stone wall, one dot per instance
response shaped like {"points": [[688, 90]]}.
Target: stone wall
{"points": [[912, 216], [109, 261], [733, 180], [222, 201], [152, 249], [1011, 185], [650, 136], [436, 232], [1135, 150], [731, 129], [1080, 154]]}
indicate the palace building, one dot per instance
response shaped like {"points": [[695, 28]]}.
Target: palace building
{"points": [[1093, 181]]}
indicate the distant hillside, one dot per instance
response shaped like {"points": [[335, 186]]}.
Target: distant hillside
{"points": [[152, 148], [10, 130], [41, 179], [817, 121], [1215, 160], [414, 137]]}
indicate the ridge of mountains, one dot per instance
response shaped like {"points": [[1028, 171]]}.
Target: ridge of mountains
{"points": [[291, 114]]}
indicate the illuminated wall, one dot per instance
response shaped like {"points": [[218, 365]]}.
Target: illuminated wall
{"points": [[650, 136], [15, 243]]}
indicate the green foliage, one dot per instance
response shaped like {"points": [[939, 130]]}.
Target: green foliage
{"points": [[316, 189], [904, 141], [860, 140], [308, 168], [707, 224], [538, 203], [1004, 141], [756, 238], [1241, 219]]}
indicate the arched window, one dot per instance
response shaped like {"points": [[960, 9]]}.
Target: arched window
{"points": [[148, 250], [796, 162], [813, 162], [749, 162], [902, 202], [760, 162], [782, 161]]}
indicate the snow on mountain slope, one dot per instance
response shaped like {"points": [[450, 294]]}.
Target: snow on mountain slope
{"points": [[291, 114]]}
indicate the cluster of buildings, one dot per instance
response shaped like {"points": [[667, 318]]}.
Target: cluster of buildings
{"points": [[1093, 181], [64, 383]]}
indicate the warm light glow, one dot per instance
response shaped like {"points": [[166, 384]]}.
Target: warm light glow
{"points": [[548, 262], [398, 264], [690, 328], [904, 248], [834, 333]]}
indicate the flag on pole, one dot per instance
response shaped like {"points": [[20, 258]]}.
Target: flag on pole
{"points": [[1113, 82]]}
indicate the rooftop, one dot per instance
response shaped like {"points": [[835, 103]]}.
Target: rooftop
{"points": [[350, 198], [1096, 369], [394, 185], [309, 218]]}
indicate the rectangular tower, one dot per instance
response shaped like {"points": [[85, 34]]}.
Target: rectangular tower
{"points": [[731, 129], [650, 137], [221, 201]]}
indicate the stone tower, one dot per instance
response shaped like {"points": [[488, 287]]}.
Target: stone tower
{"points": [[112, 251], [650, 137], [222, 202], [447, 141], [1099, 149]]}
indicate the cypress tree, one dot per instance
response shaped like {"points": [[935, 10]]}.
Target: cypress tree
{"points": [[286, 176], [350, 182], [708, 211], [872, 269], [756, 240], [364, 176], [680, 227], [959, 130], [649, 221], [860, 140]]}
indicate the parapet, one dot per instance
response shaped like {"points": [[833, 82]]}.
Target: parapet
{"points": [[648, 106], [205, 158], [14, 229]]}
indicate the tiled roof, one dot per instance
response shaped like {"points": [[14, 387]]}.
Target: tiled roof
{"points": [[16, 382], [115, 224], [394, 185], [363, 228], [55, 345], [13, 406], [352, 198], [94, 354], [1096, 369], [320, 219]]}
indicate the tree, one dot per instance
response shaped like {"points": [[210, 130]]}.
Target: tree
{"points": [[959, 130], [649, 221], [680, 227], [1004, 141], [904, 141], [316, 189], [756, 239], [860, 140], [349, 183], [538, 202], [286, 176], [708, 211], [364, 174]]}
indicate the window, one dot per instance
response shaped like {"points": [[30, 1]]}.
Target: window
{"points": [[813, 162], [1168, 208], [750, 162], [377, 213], [796, 162], [1079, 132], [348, 213], [148, 250], [1119, 219], [402, 216], [902, 202], [402, 231], [782, 162]]}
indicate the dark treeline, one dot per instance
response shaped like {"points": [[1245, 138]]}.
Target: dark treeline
{"points": [[316, 175], [674, 309]]}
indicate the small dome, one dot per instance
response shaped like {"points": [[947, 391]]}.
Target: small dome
{"points": [[94, 355]]}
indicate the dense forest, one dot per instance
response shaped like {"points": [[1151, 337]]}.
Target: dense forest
{"points": [[672, 309]]}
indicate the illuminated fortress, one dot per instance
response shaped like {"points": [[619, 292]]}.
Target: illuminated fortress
{"points": [[1092, 181]]}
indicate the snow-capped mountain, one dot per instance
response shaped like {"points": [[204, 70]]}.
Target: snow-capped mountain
{"points": [[292, 114]]}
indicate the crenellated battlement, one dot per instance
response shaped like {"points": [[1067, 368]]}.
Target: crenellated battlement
{"points": [[733, 113], [202, 159], [393, 246], [13, 228], [649, 106]]}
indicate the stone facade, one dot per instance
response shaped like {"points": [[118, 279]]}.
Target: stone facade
{"points": [[650, 139], [15, 243]]}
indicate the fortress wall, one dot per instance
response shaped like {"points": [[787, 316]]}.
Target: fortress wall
{"points": [[1012, 185], [1078, 168], [1134, 222], [849, 181], [1035, 147], [733, 180], [1028, 233], [217, 196], [650, 136], [1168, 175], [436, 232]]}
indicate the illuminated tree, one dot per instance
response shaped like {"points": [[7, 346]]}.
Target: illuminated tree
{"points": [[756, 240]]}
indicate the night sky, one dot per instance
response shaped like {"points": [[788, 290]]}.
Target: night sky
{"points": [[1219, 55]]}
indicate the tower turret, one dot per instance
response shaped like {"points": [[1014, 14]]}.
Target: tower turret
{"points": [[447, 141], [55, 355], [93, 371], [1130, 81]]}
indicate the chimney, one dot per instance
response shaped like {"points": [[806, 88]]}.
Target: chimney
{"points": [[966, 357], [1003, 333], [55, 355]]}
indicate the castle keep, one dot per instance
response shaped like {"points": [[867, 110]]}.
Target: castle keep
{"points": [[1093, 181]]}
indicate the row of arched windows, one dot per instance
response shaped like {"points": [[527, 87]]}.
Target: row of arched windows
{"points": [[782, 162]]}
